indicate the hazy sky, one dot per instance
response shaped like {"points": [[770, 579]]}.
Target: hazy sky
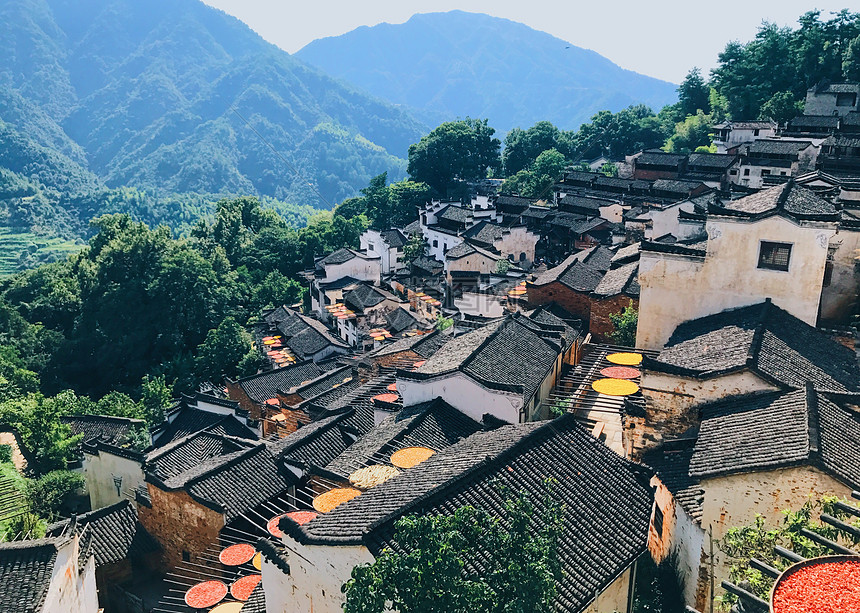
{"points": [[662, 39]]}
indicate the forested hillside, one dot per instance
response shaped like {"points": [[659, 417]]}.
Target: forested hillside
{"points": [[457, 64], [140, 106]]}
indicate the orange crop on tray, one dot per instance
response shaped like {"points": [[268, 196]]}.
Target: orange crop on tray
{"points": [[272, 526], [205, 594], [334, 498], [410, 456], [242, 588], [302, 517], [827, 587], [620, 372], [234, 555]]}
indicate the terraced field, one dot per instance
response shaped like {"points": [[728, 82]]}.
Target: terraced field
{"points": [[24, 249]]}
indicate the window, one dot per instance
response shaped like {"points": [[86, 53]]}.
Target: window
{"points": [[774, 256], [658, 520], [746, 172], [371, 247], [186, 556], [755, 133], [435, 243], [765, 172]]}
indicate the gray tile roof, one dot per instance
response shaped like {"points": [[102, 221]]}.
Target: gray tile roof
{"points": [[424, 345], [769, 430], [659, 158], [485, 233], [231, 483], [621, 280], [394, 237], [400, 319], [306, 336], [111, 534], [607, 500], [777, 147], [513, 353], [716, 161], [765, 339], [190, 420], [102, 428], [25, 573], [455, 213], [325, 382], [790, 198], [435, 425], [363, 296], [597, 259], [676, 186], [342, 256], [265, 385], [186, 453]]}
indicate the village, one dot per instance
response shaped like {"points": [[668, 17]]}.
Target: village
{"points": [[669, 344]]}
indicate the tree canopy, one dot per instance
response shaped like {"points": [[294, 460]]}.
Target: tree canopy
{"points": [[428, 573], [454, 151]]}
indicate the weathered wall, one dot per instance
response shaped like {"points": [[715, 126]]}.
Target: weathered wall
{"points": [[735, 500], [72, 588], [363, 269], [180, 524], [839, 298], [99, 472], [474, 262], [671, 403], [315, 578], [439, 242], [615, 597], [675, 288], [681, 536], [518, 241], [666, 221]]}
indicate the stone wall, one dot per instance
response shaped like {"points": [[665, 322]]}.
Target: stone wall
{"points": [[180, 524]]}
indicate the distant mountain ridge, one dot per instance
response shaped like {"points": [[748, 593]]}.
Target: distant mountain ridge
{"points": [[143, 92], [454, 64]]}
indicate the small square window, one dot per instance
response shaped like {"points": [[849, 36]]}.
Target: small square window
{"points": [[186, 556], [774, 256], [746, 172]]}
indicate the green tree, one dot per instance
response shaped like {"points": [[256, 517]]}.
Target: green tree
{"points": [[781, 107], [522, 147], [53, 493], [416, 247], [428, 572], [851, 61], [454, 151], [624, 324], [277, 289], [538, 179], [694, 131], [694, 94], [48, 439], [225, 346], [618, 134], [155, 399]]}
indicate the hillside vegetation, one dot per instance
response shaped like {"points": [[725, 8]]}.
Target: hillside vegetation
{"points": [[457, 64]]}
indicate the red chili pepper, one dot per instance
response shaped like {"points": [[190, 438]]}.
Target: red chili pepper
{"points": [[827, 587]]}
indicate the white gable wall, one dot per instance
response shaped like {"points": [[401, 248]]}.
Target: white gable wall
{"points": [[464, 394], [676, 289]]}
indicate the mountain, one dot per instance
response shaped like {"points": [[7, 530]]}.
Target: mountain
{"points": [[454, 64], [155, 94]]}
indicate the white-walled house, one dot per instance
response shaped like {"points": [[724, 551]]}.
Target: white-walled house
{"points": [[504, 369], [730, 134], [339, 269], [773, 244], [388, 245]]}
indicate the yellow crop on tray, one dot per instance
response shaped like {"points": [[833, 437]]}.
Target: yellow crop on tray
{"points": [[625, 359], [615, 387]]}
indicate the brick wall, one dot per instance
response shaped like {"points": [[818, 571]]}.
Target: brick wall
{"points": [[180, 524], [237, 394], [576, 303], [600, 325]]}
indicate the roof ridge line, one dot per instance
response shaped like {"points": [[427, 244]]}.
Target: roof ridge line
{"points": [[471, 470], [813, 430], [758, 335], [240, 455]]}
